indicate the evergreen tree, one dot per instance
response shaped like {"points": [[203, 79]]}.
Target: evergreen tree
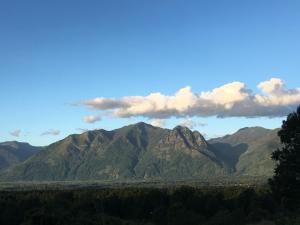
{"points": [[285, 184]]}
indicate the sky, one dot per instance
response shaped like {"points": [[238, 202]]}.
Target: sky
{"points": [[212, 65]]}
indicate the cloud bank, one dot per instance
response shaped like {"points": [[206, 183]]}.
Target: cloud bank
{"points": [[230, 100]]}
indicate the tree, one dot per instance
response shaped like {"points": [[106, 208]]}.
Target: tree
{"points": [[285, 184]]}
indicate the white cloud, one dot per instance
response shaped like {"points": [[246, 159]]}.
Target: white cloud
{"points": [[104, 103], [190, 123], [91, 119], [53, 132], [227, 95], [16, 133], [271, 86], [230, 100], [275, 94], [158, 122]]}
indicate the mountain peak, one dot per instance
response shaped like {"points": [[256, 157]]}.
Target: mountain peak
{"points": [[183, 136], [142, 124], [14, 152], [15, 144], [139, 125], [181, 128], [252, 129]]}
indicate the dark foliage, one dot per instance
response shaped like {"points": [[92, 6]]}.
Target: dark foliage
{"points": [[286, 181], [138, 206]]}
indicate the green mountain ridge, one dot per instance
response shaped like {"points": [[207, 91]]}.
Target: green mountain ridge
{"points": [[142, 152], [13, 153], [251, 150]]}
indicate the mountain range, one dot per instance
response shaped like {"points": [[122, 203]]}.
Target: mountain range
{"points": [[142, 152], [13, 153]]}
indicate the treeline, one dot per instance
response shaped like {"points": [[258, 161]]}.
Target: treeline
{"points": [[144, 206]]}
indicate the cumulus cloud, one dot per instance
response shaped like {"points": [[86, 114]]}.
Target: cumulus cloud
{"points": [[271, 86], [158, 122], [234, 99], [190, 123], [16, 133], [53, 132], [91, 119], [275, 94]]}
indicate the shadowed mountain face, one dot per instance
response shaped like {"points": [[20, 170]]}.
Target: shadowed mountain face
{"points": [[141, 151], [249, 150], [12, 153]]}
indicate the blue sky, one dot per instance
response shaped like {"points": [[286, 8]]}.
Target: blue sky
{"points": [[57, 53]]}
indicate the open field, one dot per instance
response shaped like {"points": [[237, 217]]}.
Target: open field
{"points": [[75, 185]]}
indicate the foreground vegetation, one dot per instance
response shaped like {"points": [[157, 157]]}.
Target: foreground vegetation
{"points": [[144, 206]]}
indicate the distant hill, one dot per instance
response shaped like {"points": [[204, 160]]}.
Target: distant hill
{"points": [[13, 152], [249, 150], [142, 151]]}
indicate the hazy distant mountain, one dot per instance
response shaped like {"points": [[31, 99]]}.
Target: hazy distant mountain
{"points": [[12, 153], [250, 150], [141, 151]]}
